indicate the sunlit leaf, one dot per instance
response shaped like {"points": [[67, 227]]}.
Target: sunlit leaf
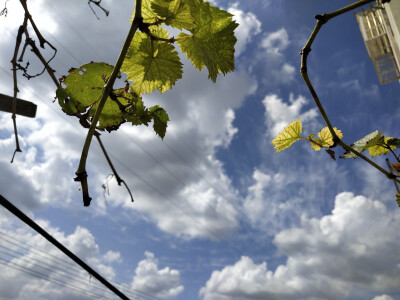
{"points": [[381, 148], [288, 136], [325, 139], [82, 92], [363, 144], [148, 14], [212, 40], [175, 13], [152, 64], [84, 87]]}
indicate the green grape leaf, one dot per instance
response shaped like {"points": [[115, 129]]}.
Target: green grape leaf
{"points": [[112, 115], [83, 87], [212, 40], [394, 142], [382, 147], [152, 64], [83, 91], [148, 15], [325, 139], [161, 119], [288, 136], [138, 114], [363, 144], [175, 13]]}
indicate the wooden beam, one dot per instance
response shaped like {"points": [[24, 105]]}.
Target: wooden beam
{"points": [[24, 108]]}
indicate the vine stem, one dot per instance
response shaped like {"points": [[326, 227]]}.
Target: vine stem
{"points": [[107, 89], [117, 177], [321, 20], [14, 69]]}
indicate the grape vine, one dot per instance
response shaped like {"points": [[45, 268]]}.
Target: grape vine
{"points": [[149, 60], [330, 137]]}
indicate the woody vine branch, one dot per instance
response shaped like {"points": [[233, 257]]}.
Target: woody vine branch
{"points": [[321, 20]]}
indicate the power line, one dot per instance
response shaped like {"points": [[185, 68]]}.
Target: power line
{"points": [[40, 275], [20, 215], [63, 265]]}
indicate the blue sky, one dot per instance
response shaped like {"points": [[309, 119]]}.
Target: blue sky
{"points": [[217, 214]]}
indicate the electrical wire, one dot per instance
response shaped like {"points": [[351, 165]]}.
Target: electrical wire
{"points": [[40, 275], [58, 266]]}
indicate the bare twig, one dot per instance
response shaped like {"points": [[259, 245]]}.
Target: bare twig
{"points": [[119, 180], [47, 67], [31, 43], [97, 2], [321, 20], [16, 66], [4, 11], [42, 40], [14, 103]]}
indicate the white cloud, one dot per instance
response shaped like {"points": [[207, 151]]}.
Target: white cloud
{"points": [[15, 17], [383, 297], [279, 114], [249, 26], [35, 269], [47, 160], [354, 247], [271, 61], [276, 42], [112, 256], [161, 283], [255, 203]]}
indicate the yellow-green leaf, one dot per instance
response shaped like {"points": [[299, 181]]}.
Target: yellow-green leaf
{"points": [[152, 64], [212, 40], [325, 138], [379, 149], [367, 142], [288, 136], [174, 13]]}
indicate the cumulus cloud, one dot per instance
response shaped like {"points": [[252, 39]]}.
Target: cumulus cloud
{"points": [[271, 60], [327, 258], [383, 297], [277, 200], [35, 269], [279, 114], [112, 256], [249, 26], [182, 186], [162, 283], [257, 204], [47, 160], [276, 42]]}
